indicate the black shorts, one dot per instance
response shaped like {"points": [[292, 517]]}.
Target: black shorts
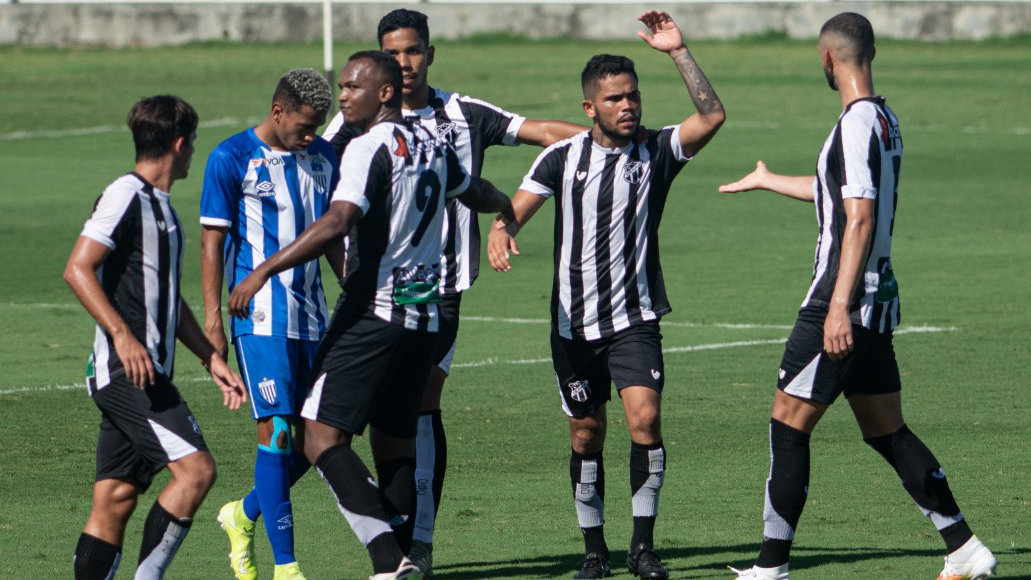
{"points": [[806, 371], [142, 430], [369, 372], [585, 370], [447, 331]]}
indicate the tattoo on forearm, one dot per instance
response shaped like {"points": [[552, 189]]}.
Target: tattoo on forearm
{"points": [[701, 91]]}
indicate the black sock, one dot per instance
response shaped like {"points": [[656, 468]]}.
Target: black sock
{"points": [[440, 457], [924, 479], [786, 492], [397, 491], [587, 476], [95, 559], [647, 474], [163, 533], [359, 500]]}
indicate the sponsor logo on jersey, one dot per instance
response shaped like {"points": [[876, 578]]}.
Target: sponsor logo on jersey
{"points": [[271, 162], [266, 189], [633, 171], [161, 225], [267, 387], [580, 175], [579, 391]]}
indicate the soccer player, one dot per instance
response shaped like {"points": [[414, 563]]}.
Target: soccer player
{"points": [[262, 187], [125, 269], [842, 339], [372, 366], [471, 126], [608, 294]]}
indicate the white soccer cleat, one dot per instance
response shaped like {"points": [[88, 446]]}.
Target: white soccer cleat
{"points": [[404, 570], [973, 561], [757, 573]]}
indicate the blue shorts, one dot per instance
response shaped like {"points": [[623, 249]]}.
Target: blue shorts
{"points": [[277, 372]]}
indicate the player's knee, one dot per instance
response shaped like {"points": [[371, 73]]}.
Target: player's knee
{"points": [[201, 475], [280, 440]]}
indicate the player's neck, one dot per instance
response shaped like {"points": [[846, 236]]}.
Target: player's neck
{"points": [[266, 135], [385, 114], [854, 86], [416, 100], [603, 139], [157, 172]]}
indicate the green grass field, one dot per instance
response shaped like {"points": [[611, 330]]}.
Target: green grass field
{"points": [[736, 269]]}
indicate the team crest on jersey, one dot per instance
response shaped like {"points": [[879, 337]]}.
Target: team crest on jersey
{"points": [[579, 391], [266, 189], [447, 131], [633, 171]]}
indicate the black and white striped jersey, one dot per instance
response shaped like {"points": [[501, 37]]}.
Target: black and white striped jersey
{"points": [[141, 274], [471, 126], [860, 159], [399, 175], [609, 204]]}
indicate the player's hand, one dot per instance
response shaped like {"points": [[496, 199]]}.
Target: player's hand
{"points": [[230, 383], [665, 36], [139, 369], [837, 334], [240, 299], [750, 182], [499, 244]]}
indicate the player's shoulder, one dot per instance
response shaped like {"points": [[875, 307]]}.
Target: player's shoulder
{"points": [[237, 146]]}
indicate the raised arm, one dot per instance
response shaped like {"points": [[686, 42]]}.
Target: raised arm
{"points": [[312, 243], [501, 239], [798, 187], [698, 129], [545, 133]]}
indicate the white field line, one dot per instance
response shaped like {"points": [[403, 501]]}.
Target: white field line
{"points": [[79, 132], [226, 121], [497, 361]]}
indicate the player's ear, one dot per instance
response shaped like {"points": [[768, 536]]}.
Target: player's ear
{"points": [[588, 108], [277, 111], [386, 93], [430, 51]]}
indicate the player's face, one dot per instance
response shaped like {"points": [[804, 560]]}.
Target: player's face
{"points": [[616, 107], [185, 158], [359, 93], [295, 130], [409, 50]]}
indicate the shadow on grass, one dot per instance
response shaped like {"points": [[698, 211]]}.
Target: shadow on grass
{"points": [[678, 561]]}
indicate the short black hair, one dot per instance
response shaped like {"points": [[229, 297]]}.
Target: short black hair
{"points": [[856, 30], [155, 123], [404, 18], [301, 87], [388, 68], [601, 66]]}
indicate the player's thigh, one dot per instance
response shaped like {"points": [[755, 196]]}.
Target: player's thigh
{"points": [[276, 371], [874, 389], [397, 412], [350, 369], [142, 430], [447, 332], [584, 383], [806, 372]]}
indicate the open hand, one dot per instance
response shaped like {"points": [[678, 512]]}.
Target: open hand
{"points": [[665, 36]]}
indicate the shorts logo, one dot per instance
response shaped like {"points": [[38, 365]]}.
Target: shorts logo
{"points": [[268, 390], [656, 374], [286, 522], [579, 391], [782, 373], [194, 424], [939, 474], [633, 171], [266, 189]]}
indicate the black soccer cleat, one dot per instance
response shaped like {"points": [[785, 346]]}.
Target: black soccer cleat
{"points": [[594, 566], [642, 561]]}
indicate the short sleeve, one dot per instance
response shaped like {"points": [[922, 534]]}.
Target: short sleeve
{"points": [[364, 167], [861, 151], [545, 175], [220, 192], [109, 215], [496, 125]]}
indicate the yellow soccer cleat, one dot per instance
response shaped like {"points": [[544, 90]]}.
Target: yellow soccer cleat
{"points": [[289, 571], [241, 541]]}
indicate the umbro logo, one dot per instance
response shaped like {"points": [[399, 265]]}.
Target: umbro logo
{"points": [[266, 189], [580, 175]]}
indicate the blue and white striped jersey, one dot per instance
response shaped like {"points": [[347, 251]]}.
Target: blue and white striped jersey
{"points": [[140, 276], [267, 198], [860, 159]]}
